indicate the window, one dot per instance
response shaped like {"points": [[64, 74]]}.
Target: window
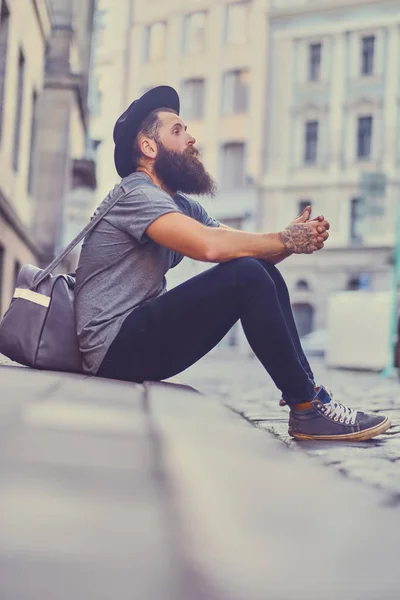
{"points": [[233, 165], [353, 284], [311, 142], [237, 23], [367, 55], [357, 214], [1, 273], [4, 30], [303, 314], [194, 33], [364, 137], [303, 204], [154, 41], [17, 268], [18, 110], [235, 94], [302, 285], [32, 142], [360, 282], [193, 98], [314, 62]]}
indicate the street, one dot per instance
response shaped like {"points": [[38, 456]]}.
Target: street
{"points": [[242, 384]]}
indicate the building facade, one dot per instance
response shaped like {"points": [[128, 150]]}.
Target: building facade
{"points": [[21, 83], [214, 53], [63, 141], [112, 35], [43, 126], [332, 140]]}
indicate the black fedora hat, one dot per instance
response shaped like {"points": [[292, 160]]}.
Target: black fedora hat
{"points": [[128, 124]]}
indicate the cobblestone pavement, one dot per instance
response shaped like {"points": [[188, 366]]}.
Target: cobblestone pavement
{"points": [[242, 384]]}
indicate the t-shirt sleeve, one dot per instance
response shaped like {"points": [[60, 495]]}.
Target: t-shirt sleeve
{"points": [[198, 212], [137, 210]]}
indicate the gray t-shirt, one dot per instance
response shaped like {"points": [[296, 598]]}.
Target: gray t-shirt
{"points": [[120, 267]]}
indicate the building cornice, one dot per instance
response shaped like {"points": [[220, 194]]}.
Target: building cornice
{"points": [[10, 216], [70, 81], [269, 184], [294, 8], [373, 249], [43, 15]]}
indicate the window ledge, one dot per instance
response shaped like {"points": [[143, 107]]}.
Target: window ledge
{"points": [[360, 162], [363, 79], [313, 166], [236, 44], [198, 54], [234, 114], [314, 86], [154, 61]]}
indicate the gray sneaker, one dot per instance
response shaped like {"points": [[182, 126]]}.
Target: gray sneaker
{"points": [[329, 420]]}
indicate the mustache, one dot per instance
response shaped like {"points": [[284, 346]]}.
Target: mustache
{"points": [[192, 151]]}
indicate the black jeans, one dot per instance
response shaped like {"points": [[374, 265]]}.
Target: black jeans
{"points": [[166, 335]]}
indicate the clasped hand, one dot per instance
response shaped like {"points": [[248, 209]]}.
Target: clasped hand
{"points": [[305, 235]]}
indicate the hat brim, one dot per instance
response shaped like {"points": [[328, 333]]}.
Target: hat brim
{"points": [[162, 96]]}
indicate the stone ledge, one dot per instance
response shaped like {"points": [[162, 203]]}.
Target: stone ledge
{"points": [[108, 487]]}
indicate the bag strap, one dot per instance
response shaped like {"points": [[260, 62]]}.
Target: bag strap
{"points": [[91, 225]]}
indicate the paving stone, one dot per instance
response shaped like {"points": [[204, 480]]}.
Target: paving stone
{"points": [[253, 394], [378, 473]]}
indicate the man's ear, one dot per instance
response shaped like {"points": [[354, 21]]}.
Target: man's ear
{"points": [[148, 147]]}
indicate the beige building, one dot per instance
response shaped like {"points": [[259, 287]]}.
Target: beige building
{"points": [[21, 83], [332, 140], [44, 63], [214, 52]]}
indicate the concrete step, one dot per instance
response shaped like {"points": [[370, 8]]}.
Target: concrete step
{"points": [[110, 489]]}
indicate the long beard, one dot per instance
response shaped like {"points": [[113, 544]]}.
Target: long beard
{"points": [[184, 172]]}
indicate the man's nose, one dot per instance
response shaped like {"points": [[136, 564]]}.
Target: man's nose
{"points": [[192, 140]]}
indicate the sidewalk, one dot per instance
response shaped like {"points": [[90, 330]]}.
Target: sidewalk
{"points": [[242, 384], [154, 492]]}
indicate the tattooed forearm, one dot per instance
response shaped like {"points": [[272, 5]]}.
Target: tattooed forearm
{"points": [[277, 258], [298, 238]]}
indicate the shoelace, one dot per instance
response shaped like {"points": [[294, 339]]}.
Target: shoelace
{"points": [[339, 412]]}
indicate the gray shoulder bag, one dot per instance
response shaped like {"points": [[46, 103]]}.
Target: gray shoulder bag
{"points": [[38, 330]]}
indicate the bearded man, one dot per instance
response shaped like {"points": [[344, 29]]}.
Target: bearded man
{"points": [[131, 328]]}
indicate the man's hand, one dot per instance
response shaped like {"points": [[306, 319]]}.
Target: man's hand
{"points": [[322, 229], [304, 236]]}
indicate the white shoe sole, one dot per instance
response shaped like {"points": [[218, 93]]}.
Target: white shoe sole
{"points": [[357, 436]]}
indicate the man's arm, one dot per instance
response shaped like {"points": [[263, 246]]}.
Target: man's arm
{"points": [[274, 260], [303, 218], [209, 244]]}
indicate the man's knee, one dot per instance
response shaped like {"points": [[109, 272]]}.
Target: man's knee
{"points": [[249, 271], [274, 272]]}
